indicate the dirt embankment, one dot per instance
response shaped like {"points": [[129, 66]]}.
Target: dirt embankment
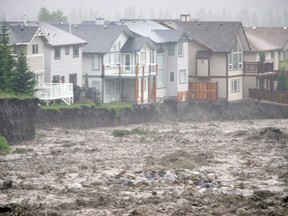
{"points": [[199, 111], [17, 119]]}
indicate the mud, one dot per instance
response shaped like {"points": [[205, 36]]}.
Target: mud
{"points": [[191, 168]]}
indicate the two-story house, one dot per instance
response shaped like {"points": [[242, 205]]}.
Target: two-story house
{"points": [[121, 66], [215, 56], [30, 40], [172, 57]]}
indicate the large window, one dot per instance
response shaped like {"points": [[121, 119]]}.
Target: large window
{"points": [[236, 57], [171, 49], [107, 87], [75, 51], [160, 73], [235, 87], [180, 49], [35, 49], [67, 49], [182, 76], [143, 57], [95, 62], [57, 53]]}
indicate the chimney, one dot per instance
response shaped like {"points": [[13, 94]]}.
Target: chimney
{"points": [[99, 20], [25, 19], [185, 17]]}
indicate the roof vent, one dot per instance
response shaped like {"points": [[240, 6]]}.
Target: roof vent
{"points": [[185, 17], [25, 19], [99, 20]]}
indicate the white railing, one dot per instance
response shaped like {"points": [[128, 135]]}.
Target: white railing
{"points": [[130, 70], [54, 91]]}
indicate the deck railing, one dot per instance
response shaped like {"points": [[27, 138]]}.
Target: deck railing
{"points": [[129, 70], [54, 91], [258, 67]]}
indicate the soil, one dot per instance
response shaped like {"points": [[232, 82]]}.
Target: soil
{"points": [[191, 168]]}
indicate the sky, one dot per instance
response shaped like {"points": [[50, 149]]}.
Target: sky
{"points": [[13, 10]]}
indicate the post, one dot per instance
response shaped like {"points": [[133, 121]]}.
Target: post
{"points": [[142, 85], [103, 70], [119, 70], [136, 86]]}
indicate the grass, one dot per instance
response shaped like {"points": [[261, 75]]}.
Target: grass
{"points": [[65, 106], [5, 95], [4, 145], [116, 106]]}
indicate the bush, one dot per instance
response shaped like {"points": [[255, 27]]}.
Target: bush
{"points": [[4, 145], [122, 132]]}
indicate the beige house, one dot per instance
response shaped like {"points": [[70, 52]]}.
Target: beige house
{"points": [[30, 40], [215, 57]]}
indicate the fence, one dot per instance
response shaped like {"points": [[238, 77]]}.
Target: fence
{"points": [[274, 96]]}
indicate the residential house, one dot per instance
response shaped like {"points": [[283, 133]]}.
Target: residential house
{"points": [[118, 64], [172, 57], [215, 57], [30, 40]]}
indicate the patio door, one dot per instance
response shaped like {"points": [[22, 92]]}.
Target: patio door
{"points": [[127, 63]]}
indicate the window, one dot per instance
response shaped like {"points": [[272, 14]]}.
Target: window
{"points": [[67, 49], [180, 49], [235, 85], [272, 54], [235, 58], [171, 50], [95, 62], [56, 79], [182, 76], [143, 57], [118, 86], [160, 73], [16, 49], [34, 48], [75, 51], [57, 54], [286, 54], [172, 77], [73, 79]]}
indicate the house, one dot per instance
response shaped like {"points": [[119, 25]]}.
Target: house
{"points": [[121, 66], [30, 40], [172, 57], [215, 58]]}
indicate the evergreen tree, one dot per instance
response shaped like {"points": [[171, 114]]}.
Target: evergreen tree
{"points": [[54, 16], [7, 62], [23, 79]]}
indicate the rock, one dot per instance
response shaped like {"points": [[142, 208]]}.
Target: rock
{"points": [[183, 175], [202, 190], [7, 185], [170, 177]]}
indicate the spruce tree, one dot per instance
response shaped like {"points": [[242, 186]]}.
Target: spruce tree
{"points": [[23, 78], [7, 61]]}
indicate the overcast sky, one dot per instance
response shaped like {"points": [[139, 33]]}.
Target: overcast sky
{"points": [[114, 9]]}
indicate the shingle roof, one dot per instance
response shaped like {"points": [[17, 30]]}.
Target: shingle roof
{"points": [[267, 38], [137, 43], [218, 36], [58, 37], [18, 33], [167, 36], [100, 38]]}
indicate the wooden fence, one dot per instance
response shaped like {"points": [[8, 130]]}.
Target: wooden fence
{"points": [[203, 91], [274, 96]]}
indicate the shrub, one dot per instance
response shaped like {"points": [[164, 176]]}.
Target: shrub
{"points": [[4, 145], [21, 150], [120, 132]]}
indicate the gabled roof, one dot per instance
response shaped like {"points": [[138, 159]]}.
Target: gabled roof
{"points": [[58, 37], [20, 33], [137, 43], [267, 38], [100, 38], [218, 36], [167, 36]]}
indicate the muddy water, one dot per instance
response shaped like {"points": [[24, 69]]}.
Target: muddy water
{"points": [[212, 168]]}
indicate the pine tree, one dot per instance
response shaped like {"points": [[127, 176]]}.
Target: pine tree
{"points": [[7, 62], [23, 79]]}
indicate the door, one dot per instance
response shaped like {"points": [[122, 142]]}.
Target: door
{"points": [[127, 63]]}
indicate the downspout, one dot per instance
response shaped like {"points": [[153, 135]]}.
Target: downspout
{"points": [[227, 77]]}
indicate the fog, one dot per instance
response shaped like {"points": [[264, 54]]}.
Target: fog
{"points": [[250, 12]]}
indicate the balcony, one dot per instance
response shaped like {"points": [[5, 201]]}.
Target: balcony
{"points": [[129, 71], [259, 68]]}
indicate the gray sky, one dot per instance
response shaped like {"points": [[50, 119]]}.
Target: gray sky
{"points": [[115, 9]]}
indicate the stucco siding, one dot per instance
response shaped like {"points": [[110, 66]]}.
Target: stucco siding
{"points": [[202, 67], [218, 64], [236, 95], [249, 82], [193, 48]]}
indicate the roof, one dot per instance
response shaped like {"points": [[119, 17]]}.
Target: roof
{"points": [[100, 38], [218, 36], [59, 37], [203, 54], [167, 36], [137, 43], [267, 38], [19, 33]]}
